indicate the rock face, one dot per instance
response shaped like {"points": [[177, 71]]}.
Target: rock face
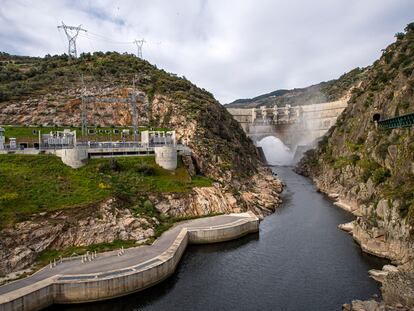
{"points": [[370, 169], [261, 197], [106, 222]]}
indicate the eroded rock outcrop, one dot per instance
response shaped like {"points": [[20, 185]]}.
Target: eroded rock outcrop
{"points": [[261, 197], [105, 222]]}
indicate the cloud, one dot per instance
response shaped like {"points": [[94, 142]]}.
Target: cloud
{"points": [[232, 48]]}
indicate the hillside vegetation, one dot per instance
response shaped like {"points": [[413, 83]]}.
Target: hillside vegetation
{"points": [[35, 184], [319, 93], [46, 91], [355, 146], [48, 209]]}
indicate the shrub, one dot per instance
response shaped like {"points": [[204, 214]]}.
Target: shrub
{"points": [[8, 196], [148, 205], [355, 147], [145, 169], [410, 27], [368, 167], [382, 150], [380, 175], [399, 35], [354, 158]]}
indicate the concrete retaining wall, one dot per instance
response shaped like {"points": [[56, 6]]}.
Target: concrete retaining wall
{"points": [[33, 298], [223, 233], [74, 157], [94, 287], [166, 157]]}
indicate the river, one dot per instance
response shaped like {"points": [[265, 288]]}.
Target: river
{"points": [[300, 260]]}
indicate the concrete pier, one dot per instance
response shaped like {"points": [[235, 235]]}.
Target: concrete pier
{"points": [[139, 267]]}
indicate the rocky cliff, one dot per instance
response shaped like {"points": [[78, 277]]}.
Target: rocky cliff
{"points": [[370, 171], [47, 91]]}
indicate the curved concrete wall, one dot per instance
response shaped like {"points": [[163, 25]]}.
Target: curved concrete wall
{"points": [[94, 287], [223, 233], [73, 157], [166, 157]]}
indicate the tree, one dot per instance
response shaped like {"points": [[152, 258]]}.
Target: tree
{"points": [[399, 35], [410, 27]]}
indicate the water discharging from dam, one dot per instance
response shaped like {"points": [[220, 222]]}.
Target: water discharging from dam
{"points": [[300, 260], [275, 151]]}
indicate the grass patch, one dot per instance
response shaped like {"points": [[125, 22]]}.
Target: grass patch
{"points": [[344, 161], [42, 183]]}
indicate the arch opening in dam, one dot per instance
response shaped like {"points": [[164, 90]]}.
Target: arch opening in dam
{"points": [[275, 151]]}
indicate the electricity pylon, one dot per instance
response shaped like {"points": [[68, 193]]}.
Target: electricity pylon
{"points": [[72, 33], [139, 44]]}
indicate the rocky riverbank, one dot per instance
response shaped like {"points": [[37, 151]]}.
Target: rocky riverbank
{"points": [[386, 237], [389, 239]]}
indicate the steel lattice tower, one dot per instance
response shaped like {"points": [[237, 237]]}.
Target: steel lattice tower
{"points": [[139, 44], [72, 33]]}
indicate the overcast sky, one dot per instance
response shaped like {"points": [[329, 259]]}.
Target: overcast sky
{"points": [[234, 49]]}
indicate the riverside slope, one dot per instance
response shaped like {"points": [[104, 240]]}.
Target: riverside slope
{"points": [[35, 91], [370, 172]]}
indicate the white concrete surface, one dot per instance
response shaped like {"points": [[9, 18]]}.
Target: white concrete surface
{"points": [[166, 157]]}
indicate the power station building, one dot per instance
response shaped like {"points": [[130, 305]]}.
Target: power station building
{"points": [[157, 138]]}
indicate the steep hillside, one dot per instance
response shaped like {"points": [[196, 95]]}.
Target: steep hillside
{"points": [[47, 91], [223, 174], [370, 170], [314, 94]]}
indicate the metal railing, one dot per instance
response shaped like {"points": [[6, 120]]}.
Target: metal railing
{"points": [[95, 145], [406, 120]]}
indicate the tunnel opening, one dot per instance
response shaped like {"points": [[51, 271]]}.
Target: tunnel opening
{"points": [[376, 117], [275, 151]]}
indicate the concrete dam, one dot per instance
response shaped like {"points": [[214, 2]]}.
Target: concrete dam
{"points": [[298, 125]]}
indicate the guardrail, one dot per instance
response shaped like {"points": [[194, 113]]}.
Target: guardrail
{"points": [[93, 145], [403, 121]]}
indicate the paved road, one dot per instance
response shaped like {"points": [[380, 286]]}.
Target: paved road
{"points": [[109, 261]]}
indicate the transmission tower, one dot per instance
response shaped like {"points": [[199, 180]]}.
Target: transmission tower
{"points": [[139, 44], [72, 33]]}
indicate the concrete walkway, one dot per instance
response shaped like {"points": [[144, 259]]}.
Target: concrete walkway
{"points": [[109, 264]]}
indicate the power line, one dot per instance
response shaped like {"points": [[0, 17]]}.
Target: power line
{"points": [[110, 39], [72, 32]]}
